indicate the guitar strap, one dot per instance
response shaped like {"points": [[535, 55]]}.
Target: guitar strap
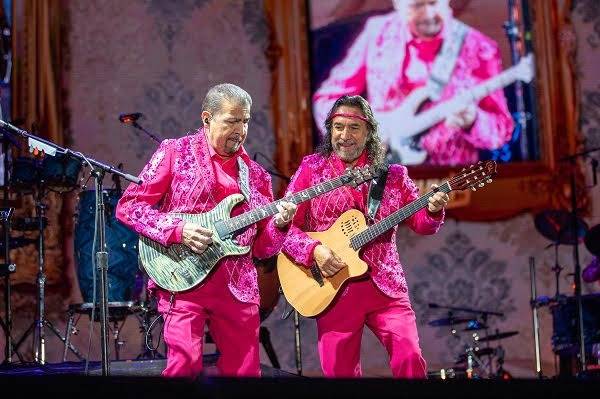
{"points": [[244, 179], [446, 60], [376, 193]]}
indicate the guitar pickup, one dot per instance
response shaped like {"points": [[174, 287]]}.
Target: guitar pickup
{"points": [[316, 273]]}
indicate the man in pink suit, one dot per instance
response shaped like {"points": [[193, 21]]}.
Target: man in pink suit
{"points": [[193, 174], [380, 300], [394, 55]]}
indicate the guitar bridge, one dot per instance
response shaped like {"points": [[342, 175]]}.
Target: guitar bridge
{"points": [[316, 273]]}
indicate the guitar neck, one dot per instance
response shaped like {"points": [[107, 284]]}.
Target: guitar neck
{"points": [[441, 111], [246, 219], [379, 228]]}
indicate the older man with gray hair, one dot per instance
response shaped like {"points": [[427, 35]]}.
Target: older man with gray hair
{"points": [[193, 174]]}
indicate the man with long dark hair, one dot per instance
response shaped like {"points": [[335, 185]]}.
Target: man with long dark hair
{"points": [[380, 300]]}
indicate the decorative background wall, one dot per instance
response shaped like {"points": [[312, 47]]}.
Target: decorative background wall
{"points": [[159, 58]]}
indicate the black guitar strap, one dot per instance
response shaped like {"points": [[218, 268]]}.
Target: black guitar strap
{"points": [[376, 193]]}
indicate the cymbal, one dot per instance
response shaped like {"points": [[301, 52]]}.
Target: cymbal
{"points": [[499, 335], [591, 272], [592, 240], [556, 225], [448, 321]]}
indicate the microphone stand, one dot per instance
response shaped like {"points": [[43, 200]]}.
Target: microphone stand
{"points": [[297, 339], [138, 126], [99, 170], [577, 272]]}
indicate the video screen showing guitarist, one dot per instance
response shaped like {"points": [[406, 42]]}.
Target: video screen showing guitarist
{"points": [[408, 60], [189, 178], [378, 299]]}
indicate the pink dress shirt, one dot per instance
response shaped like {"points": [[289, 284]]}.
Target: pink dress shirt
{"points": [[320, 213], [185, 176]]}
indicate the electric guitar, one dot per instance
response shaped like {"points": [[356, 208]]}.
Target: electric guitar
{"points": [[403, 124], [310, 293], [177, 268]]}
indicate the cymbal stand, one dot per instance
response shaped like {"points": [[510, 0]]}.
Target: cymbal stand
{"points": [[536, 325], [556, 268], [41, 322], [472, 357], [7, 267]]}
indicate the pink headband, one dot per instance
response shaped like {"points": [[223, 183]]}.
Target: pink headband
{"points": [[347, 115]]}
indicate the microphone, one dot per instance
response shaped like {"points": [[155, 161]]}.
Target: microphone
{"points": [[130, 118]]}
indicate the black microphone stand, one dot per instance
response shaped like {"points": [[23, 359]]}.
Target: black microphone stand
{"points": [[99, 170], [577, 272], [138, 126], [297, 337]]}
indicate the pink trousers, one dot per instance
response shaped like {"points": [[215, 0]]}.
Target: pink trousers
{"points": [[233, 326], [392, 320]]}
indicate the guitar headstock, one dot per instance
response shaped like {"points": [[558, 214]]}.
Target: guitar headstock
{"points": [[475, 176], [356, 176]]}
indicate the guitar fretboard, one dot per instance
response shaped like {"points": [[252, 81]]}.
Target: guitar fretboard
{"points": [[377, 229], [239, 222]]}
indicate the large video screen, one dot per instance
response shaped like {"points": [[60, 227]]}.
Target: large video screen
{"points": [[450, 82]]}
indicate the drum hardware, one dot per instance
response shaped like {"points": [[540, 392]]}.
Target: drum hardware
{"points": [[7, 268], [39, 325], [118, 313], [28, 224], [99, 169], [498, 335], [472, 354], [591, 272], [592, 240], [574, 231], [535, 320]]}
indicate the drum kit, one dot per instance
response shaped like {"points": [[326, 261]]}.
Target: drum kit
{"points": [[62, 174], [476, 358], [562, 228]]}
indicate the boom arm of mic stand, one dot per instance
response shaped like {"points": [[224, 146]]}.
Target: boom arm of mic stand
{"points": [[152, 136], [66, 151]]}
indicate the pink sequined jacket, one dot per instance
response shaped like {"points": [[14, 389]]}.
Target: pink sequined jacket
{"points": [[320, 213], [387, 62], [180, 178]]}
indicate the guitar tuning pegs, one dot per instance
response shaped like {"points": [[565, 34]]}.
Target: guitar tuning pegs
{"points": [[473, 188], [481, 184], [488, 181]]}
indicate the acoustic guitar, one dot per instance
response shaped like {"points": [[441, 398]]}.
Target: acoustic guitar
{"points": [[310, 293]]}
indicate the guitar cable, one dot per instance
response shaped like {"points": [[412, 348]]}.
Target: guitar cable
{"points": [[151, 327]]}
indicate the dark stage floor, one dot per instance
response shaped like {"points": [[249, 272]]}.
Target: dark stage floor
{"points": [[141, 379]]}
